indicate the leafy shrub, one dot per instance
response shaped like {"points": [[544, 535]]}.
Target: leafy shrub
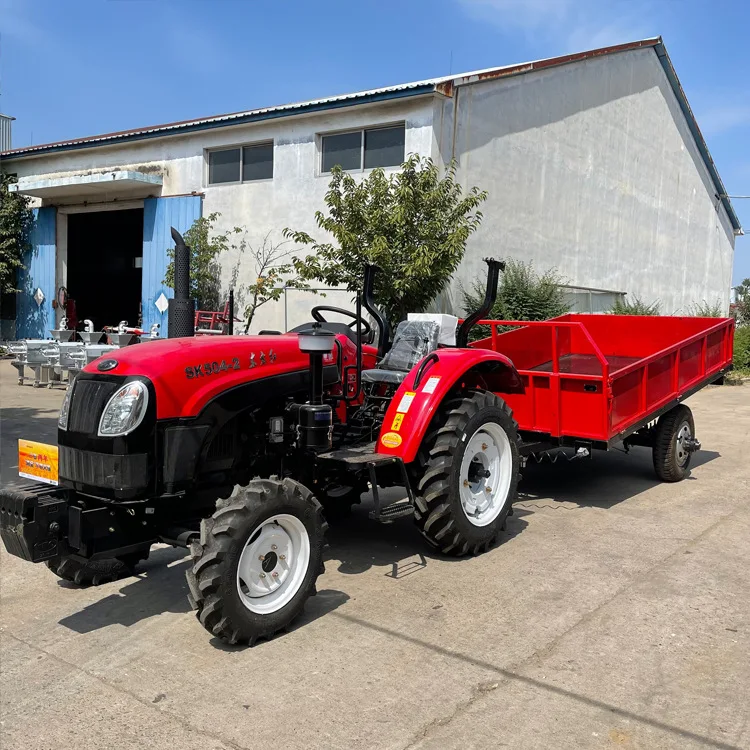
{"points": [[742, 350], [706, 310], [522, 294], [635, 306]]}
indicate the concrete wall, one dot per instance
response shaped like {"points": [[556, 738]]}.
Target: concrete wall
{"points": [[290, 199], [591, 168]]}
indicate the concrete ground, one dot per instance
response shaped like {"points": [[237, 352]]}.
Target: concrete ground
{"points": [[615, 613]]}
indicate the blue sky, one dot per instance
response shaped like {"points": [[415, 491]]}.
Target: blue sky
{"points": [[78, 67]]}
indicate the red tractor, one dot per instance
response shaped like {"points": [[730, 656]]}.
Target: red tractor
{"points": [[239, 447]]}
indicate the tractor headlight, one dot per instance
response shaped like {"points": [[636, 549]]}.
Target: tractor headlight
{"points": [[124, 411], [62, 420]]}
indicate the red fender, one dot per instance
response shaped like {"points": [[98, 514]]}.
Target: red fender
{"points": [[412, 409]]}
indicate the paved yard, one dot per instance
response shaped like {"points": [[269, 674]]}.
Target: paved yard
{"points": [[615, 613]]}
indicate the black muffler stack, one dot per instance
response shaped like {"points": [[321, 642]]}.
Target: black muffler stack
{"points": [[182, 307]]}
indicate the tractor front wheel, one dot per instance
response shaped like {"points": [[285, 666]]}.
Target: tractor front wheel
{"points": [[257, 560], [469, 468]]}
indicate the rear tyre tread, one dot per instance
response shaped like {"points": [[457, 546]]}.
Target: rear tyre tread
{"points": [[665, 444]]}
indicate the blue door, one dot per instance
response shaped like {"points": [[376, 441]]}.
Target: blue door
{"points": [[34, 313], [159, 214]]}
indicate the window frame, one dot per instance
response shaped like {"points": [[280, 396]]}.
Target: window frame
{"points": [[361, 130], [241, 147]]}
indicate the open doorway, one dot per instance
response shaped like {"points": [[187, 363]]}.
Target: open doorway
{"points": [[105, 250]]}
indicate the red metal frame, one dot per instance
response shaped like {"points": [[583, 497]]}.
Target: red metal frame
{"points": [[595, 377]]}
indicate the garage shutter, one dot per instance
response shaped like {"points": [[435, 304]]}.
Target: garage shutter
{"points": [[33, 320], [159, 215]]}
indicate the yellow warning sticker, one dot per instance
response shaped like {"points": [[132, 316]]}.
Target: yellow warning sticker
{"points": [[391, 440], [397, 420], [405, 403]]}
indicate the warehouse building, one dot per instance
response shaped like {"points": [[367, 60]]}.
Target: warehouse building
{"points": [[593, 162]]}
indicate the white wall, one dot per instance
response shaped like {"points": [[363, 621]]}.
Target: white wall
{"points": [[591, 168]]}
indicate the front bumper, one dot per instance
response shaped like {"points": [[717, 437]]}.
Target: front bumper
{"points": [[34, 521]]}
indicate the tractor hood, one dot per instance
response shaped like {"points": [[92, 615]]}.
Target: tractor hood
{"points": [[188, 372]]}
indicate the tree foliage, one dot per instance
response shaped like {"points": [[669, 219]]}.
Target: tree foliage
{"points": [[205, 272], [741, 308], [270, 274], [16, 219], [635, 306], [522, 294], [706, 310], [414, 224]]}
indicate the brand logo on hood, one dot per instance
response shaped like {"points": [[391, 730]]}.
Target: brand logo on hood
{"points": [[107, 364]]}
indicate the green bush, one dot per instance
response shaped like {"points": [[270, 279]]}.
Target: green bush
{"points": [[635, 307], [706, 310], [742, 350], [522, 294]]}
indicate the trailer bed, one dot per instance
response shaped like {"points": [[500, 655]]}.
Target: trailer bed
{"points": [[599, 378]]}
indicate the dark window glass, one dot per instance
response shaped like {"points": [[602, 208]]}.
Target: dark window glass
{"points": [[257, 162], [344, 149], [384, 147], [224, 166]]}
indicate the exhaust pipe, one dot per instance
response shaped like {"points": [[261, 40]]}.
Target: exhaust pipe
{"points": [[368, 301], [182, 307], [490, 295]]}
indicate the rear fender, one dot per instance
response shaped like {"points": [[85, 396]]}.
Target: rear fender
{"points": [[412, 409]]}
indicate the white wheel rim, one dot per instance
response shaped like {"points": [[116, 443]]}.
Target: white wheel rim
{"points": [[273, 564], [683, 435], [483, 497]]}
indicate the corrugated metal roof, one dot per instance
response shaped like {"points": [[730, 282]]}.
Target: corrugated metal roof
{"points": [[442, 85]]}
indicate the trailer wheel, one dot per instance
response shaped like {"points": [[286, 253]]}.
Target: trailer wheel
{"points": [[469, 469], [675, 431], [257, 560], [95, 572]]}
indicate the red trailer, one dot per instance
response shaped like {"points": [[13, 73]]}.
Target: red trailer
{"points": [[598, 379]]}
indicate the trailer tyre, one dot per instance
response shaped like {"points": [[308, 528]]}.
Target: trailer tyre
{"points": [[671, 454], [257, 560], [468, 470]]}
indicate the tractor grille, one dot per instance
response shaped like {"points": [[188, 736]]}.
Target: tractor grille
{"points": [[87, 404]]}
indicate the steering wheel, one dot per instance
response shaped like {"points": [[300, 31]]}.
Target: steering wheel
{"points": [[366, 328]]}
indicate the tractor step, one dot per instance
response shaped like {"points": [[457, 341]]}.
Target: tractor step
{"points": [[393, 511]]}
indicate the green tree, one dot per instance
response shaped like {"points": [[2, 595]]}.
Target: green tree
{"points": [[414, 224], [741, 308], [16, 219], [205, 273], [522, 294]]}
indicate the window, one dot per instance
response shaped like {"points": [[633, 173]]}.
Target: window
{"points": [[242, 164], [585, 300], [364, 149]]}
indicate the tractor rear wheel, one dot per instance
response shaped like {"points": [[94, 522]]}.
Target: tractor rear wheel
{"points": [[96, 572], [468, 474], [675, 434], [257, 560]]}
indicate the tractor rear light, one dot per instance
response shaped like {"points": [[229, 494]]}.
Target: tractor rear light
{"points": [[62, 420], [125, 410]]}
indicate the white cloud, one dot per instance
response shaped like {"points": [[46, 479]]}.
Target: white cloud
{"points": [[566, 25]]}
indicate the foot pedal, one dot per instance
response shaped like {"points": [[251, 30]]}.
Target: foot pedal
{"points": [[393, 511]]}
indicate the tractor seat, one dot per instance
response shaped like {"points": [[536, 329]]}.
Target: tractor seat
{"points": [[414, 340]]}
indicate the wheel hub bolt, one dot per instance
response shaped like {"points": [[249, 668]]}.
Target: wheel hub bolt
{"points": [[484, 446], [282, 557], [261, 557], [466, 482], [262, 575], [273, 546], [488, 489], [275, 575]]}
